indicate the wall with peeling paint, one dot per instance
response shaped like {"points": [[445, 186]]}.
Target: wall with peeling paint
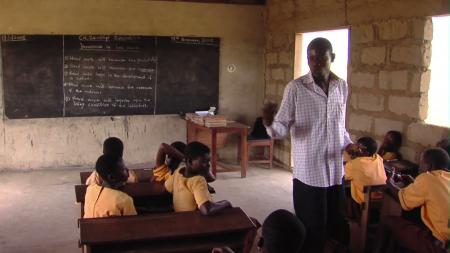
{"points": [[61, 142]]}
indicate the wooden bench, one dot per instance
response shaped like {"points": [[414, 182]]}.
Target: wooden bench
{"points": [[168, 232], [142, 193]]}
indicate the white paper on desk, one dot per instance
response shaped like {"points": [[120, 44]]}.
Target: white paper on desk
{"points": [[203, 113]]}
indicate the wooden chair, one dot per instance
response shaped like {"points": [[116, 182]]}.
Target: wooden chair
{"points": [[264, 143], [373, 199], [168, 232]]}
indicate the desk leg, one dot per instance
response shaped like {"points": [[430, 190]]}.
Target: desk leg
{"points": [[214, 152], [244, 153], [190, 132]]}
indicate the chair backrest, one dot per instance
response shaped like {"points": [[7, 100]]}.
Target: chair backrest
{"points": [[259, 130], [372, 194], [169, 232]]}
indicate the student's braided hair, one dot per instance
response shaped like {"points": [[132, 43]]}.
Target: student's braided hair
{"points": [[368, 145]]}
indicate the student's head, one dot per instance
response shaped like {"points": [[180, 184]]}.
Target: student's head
{"points": [[197, 158], [113, 146], [282, 232], [173, 162], [368, 146], [320, 56], [434, 159], [112, 170], [392, 141], [445, 145]]}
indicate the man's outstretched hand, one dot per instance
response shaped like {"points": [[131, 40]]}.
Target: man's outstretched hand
{"points": [[268, 113]]}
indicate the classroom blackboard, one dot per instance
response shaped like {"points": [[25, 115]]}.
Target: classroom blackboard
{"points": [[96, 75]]}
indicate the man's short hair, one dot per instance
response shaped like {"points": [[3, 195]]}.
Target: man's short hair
{"points": [[369, 144], [437, 158], [283, 232], [195, 149], [113, 146], [107, 165], [321, 42]]}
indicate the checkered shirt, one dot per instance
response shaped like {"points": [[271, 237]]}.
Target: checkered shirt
{"points": [[317, 126]]}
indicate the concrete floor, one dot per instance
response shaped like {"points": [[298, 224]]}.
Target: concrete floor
{"points": [[38, 212]]}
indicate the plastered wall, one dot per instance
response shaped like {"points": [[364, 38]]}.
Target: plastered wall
{"points": [[61, 142], [390, 52]]}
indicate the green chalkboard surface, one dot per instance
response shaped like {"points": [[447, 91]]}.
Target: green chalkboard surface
{"points": [[48, 76]]}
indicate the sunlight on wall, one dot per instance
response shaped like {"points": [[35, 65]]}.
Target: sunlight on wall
{"points": [[339, 40], [439, 91]]}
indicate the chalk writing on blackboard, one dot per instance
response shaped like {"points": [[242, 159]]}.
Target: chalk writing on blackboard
{"points": [[8, 38], [120, 81]]}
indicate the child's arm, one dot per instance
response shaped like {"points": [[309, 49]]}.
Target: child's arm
{"points": [[210, 177], [210, 208], [167, 150], [396, 182]]}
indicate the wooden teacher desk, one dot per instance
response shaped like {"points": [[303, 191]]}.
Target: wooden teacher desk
{"points": [[231, 127]]}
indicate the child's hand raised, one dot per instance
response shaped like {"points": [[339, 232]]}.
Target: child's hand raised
{"points": [[268, 112]]}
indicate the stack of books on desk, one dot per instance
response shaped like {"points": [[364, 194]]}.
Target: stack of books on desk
{"points": [[215, 121], [208, 121], [197, 119]]}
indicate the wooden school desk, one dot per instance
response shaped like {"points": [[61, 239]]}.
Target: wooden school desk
{"points": [[231, 127], [176, 232]]}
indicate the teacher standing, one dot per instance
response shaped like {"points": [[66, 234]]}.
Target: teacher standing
{"points": [[313, 111]]}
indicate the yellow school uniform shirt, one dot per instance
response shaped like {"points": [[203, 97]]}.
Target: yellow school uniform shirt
{"points": [[364, 171], [95, 178], [105, 202], [161, 173], [188, 193], [431, 191]]}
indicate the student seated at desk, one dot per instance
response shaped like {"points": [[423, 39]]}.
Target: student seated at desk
{"points": [[430, 191], [188, 184], [106, 199], [168, 159], [366, 168], [389, 149], [282, 232], [111, 146]]}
